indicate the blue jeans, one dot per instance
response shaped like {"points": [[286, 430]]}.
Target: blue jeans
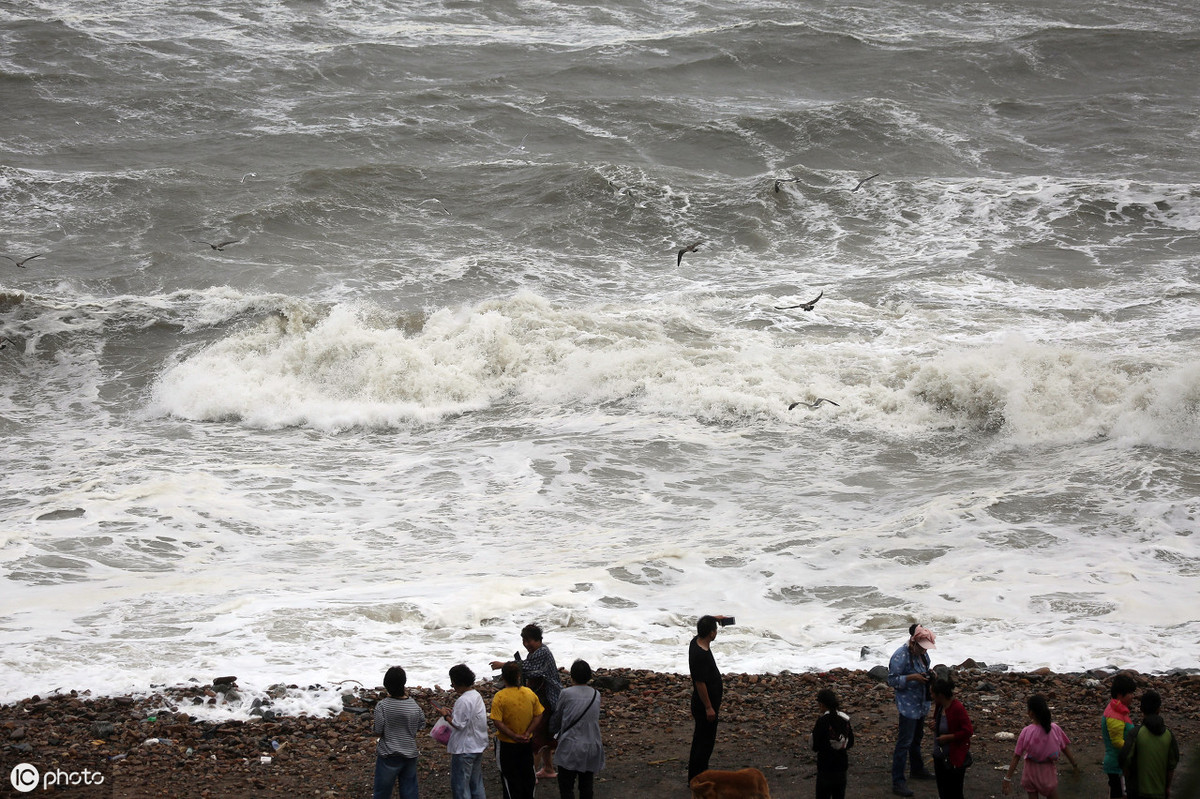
{"points": [[466, 776], [392, 769], [908, 747]]}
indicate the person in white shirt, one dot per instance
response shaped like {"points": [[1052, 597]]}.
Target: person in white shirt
{"points": [[468, 735]]}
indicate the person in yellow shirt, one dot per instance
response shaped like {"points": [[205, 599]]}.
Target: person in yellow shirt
{"points": [[517, 714]]}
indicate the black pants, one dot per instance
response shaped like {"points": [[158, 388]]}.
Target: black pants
{"points": [[831, 785], [566, 783], [1115, 787], [516, 770], [949, 779], [704, 738]]}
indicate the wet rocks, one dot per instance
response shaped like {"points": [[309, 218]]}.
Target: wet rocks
{"points": [[766, 720]]}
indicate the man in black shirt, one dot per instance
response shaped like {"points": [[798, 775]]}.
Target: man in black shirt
{"points": [[706, 694]]}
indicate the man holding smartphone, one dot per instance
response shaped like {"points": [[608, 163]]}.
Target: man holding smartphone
{"points": [[706, 692]]}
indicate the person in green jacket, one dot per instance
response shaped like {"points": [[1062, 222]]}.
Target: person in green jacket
{"points": [[1150, 754]]}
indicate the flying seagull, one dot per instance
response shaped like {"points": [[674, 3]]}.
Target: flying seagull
{"points": [[784, 180], [218, 246], [21, 263], [689, 248], [813, 405], [864, 180], [4, 342], [808, 306]]}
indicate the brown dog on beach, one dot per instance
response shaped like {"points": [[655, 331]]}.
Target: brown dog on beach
{"points": [[748, 783]]}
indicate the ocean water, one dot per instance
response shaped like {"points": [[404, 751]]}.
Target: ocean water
{"points": [[452, 376]]}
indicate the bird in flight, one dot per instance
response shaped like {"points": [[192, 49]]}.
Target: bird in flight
{"points": [[21, 263], [813, 405], [807, 306], [218, 246], [689, 248], [864, 180], [4, 342], [784, 180]]}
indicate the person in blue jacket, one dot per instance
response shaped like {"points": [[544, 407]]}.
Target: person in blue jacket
{"points": [[910, 675]]}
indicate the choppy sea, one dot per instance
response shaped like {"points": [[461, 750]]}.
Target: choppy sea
{"points": [[452, 375]]}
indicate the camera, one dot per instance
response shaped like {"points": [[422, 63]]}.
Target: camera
{"points": [[726, 621]]}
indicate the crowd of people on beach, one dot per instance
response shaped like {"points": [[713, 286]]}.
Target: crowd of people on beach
{"points": [[544, 731], [1140, 761]]}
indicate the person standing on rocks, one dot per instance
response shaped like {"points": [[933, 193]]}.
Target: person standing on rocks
{"points": [[398, 719], [517, 714], [909, 674], [1150, 753], [1115, 725], [952, 731], [576, 723], [468, 736], [1040, 745], [832, 735], [706, 694], [540, 673]]}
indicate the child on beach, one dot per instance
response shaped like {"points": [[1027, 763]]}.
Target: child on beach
{"points": [[398, 719], [831, 737], [1040, 743], [1150, 754], [1115, 725]]}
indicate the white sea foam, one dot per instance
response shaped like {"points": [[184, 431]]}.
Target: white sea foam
{"points": [[375, 432], [353, 367]]}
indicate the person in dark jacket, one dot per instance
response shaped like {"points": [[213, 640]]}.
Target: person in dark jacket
{"points": [[832, 735], [706, 694], [952, 732]]}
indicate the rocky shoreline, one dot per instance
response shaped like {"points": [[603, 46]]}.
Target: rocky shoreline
{"points": [[160, 745]]}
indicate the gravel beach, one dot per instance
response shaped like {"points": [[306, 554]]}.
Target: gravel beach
{"points": [[154, 745]]}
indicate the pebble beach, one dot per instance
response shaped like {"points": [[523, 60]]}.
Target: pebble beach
{"points": [[185, 741]]}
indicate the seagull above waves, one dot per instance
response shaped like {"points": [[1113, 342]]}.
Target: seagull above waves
{"points": [[689, 248], [21, 263], [784, 180], [218, 246], [862, 182], [813, 405], [807, 306], [5, 342]]}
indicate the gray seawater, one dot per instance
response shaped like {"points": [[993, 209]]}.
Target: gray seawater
{"points": [[450, 377]]}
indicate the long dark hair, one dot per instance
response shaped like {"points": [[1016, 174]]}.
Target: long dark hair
{"points": [[1040, 710], [837, 724]]}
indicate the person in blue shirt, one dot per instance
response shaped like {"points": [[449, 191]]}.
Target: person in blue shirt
{"points": [[909, 674]]}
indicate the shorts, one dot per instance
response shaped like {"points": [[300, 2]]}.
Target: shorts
{"points": [[1040, 778]]}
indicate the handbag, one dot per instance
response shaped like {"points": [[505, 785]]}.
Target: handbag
{"points": [[441, 731]]}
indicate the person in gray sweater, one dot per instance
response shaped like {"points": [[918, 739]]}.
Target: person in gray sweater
{"points": [[576, 724]]}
